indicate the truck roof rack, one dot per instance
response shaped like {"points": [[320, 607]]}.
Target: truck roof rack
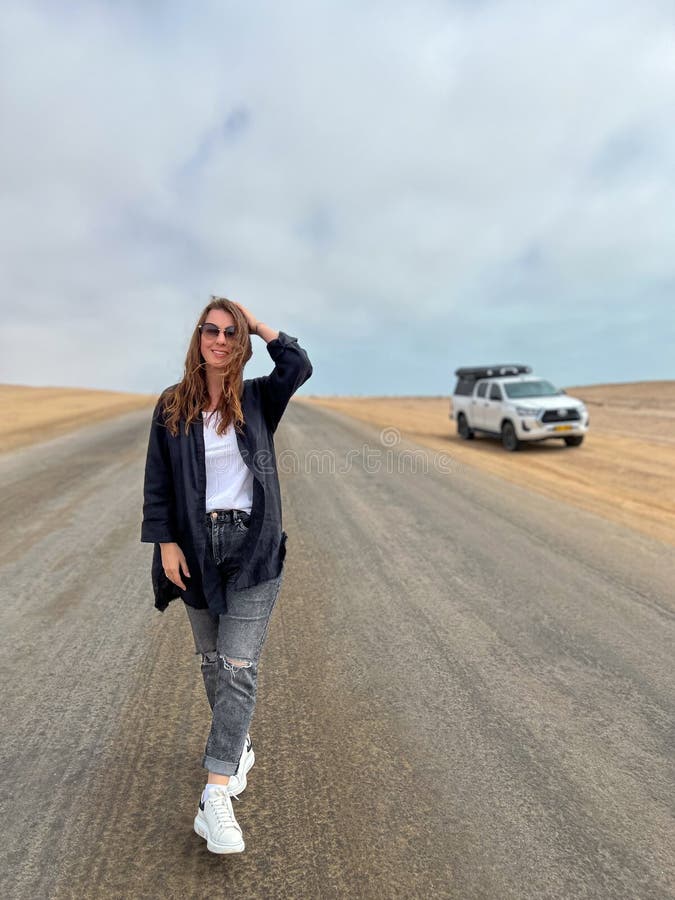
{"points": [[473, 373]]}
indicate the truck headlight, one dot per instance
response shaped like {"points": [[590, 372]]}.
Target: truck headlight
{"points": [[527, 411]]}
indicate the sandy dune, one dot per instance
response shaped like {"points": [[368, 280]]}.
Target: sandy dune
{"points": [[623, 470], [32, 414]]}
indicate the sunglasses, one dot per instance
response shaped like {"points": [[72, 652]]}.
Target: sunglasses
{"points": [[211, 331]]}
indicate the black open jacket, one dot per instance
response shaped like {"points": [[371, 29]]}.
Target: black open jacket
{"points": [[174, 494]]}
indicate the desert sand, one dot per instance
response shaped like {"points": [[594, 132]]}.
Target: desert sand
{"points": [[32, 414], [623, 471]]}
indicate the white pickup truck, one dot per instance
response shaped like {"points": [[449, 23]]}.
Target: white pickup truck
{"points": [[511, 403]]}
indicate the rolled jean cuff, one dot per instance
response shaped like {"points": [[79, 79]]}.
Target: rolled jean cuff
{"points": [[219, 766]]}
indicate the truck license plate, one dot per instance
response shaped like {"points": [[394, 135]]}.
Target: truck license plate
{"points": [[562, 427]]}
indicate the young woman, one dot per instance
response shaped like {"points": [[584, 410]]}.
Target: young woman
{"points": [[212, 508]]}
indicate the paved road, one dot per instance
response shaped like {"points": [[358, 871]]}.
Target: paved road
{"points": [[466, 690]]}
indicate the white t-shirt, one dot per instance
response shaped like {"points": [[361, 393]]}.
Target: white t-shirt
{"points": [[229, 481]]}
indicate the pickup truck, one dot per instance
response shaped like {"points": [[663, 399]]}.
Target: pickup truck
{"points": [[509, 402]]}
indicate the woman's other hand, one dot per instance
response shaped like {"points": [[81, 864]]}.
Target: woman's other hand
{"points": [[173, 560], [250, 318]]}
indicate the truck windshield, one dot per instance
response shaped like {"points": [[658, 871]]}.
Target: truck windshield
{"points": [[530, 389]]}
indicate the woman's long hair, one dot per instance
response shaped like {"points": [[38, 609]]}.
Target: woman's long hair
{"points": [[189, 397]]}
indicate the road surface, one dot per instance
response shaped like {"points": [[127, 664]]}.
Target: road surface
{"points": [[466, 690]]}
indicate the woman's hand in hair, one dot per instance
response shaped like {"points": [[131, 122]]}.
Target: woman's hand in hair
{"points": [[250, 318], [173, 560]]}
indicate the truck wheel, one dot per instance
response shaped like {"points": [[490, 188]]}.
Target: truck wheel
{"points": [[509, 437], [463, 429], [574, 440]]}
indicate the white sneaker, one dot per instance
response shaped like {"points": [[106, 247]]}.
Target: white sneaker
{"points": [[216, 823], [237, 782]]}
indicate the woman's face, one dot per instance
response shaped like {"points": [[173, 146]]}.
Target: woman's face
{"points": [[216, 350]]}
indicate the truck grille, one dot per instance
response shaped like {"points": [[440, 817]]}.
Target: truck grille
{"points": [[561, 415]]}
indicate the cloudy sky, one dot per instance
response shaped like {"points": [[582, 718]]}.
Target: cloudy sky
{"points": [[406, 187]]}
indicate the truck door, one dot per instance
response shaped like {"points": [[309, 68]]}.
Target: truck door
{"points": [[478, 404], [492, 412]]}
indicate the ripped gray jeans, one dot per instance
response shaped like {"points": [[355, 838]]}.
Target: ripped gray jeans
{"points": [[231, 644]]}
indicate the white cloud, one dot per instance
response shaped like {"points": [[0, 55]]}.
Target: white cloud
{"points": [[350, 171]]}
